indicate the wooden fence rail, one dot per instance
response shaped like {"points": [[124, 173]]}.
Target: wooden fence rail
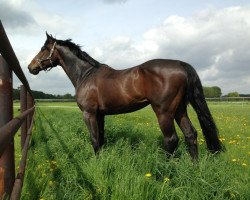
{"points": [[10, 186]]}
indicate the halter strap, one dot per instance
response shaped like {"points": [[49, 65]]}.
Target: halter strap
{"points": [[40, 61]]}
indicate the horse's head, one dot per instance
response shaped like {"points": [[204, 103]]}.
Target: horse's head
{"points": [[47, 58]]}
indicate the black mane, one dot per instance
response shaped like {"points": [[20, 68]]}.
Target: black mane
{"points": [[76, 49]]}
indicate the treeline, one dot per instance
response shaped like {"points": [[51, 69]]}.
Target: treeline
{"points": [[215, 92], [236, 94], [212, 92], [42, 95]]}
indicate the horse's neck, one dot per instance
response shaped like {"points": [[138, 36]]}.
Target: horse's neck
{"points": [[75, 68]]}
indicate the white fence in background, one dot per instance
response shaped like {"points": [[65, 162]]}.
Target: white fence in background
{"points": [[241, 100]]}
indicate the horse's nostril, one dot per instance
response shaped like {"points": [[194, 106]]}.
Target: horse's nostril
{"points": [[34, 71]]}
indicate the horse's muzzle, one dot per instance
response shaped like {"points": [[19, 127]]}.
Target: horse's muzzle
{"points": [[34, 71]]}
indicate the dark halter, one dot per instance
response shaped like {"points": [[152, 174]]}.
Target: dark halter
{"points": [[40, 61]]}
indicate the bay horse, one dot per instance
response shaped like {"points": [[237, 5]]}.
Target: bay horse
{"points": [[168, 85]]}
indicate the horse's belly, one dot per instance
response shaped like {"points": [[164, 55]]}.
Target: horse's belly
{"points": [[121, 108]]}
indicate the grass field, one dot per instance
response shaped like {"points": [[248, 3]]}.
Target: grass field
{"points": [[133, 164]]}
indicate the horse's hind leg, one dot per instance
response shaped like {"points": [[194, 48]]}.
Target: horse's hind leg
{"points": [[187, 128], [166, 122]]}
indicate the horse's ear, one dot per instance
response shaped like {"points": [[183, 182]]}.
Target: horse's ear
{"points": [[49, 37]]}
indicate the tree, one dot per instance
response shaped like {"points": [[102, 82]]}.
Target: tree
{"points": [[68, 96], [244, 95], [233, 94], [212, 92]]}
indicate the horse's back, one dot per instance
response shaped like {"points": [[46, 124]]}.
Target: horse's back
{"points": [[162, 64]]}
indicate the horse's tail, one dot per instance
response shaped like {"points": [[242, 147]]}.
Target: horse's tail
{"points": [[197, 99]]}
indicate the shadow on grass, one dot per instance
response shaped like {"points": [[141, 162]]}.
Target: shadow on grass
{"points": [[134, 138], [34, 186], [57, 173]]}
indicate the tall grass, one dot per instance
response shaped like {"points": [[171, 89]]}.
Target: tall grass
{"points": [[133, 164]]}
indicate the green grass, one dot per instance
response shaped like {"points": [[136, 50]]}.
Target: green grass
{"points": [[62, 164], [66, 104]]}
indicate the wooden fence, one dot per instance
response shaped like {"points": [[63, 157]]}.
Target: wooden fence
{"points": [[11, 184]]}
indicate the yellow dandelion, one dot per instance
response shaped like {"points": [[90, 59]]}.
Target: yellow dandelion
{"points": [[244, 164], [148, 174], [50, 183], [166, 179], [234, 160], [201, 141]]}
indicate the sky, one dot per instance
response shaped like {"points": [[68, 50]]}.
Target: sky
{"points": [[213, 36]]}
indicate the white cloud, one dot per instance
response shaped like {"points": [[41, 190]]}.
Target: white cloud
{"points": [[14, 16], [22, 17], [54, 23], [215, 42], [119, 52], [114, 1], [25, 23], [17, 3]]}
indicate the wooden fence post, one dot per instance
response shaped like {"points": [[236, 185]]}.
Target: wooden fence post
{"points": [[7, 162], [23, 107]]}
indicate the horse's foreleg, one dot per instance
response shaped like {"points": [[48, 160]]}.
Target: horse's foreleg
{"points": [[100, 120], [95, 124]]}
